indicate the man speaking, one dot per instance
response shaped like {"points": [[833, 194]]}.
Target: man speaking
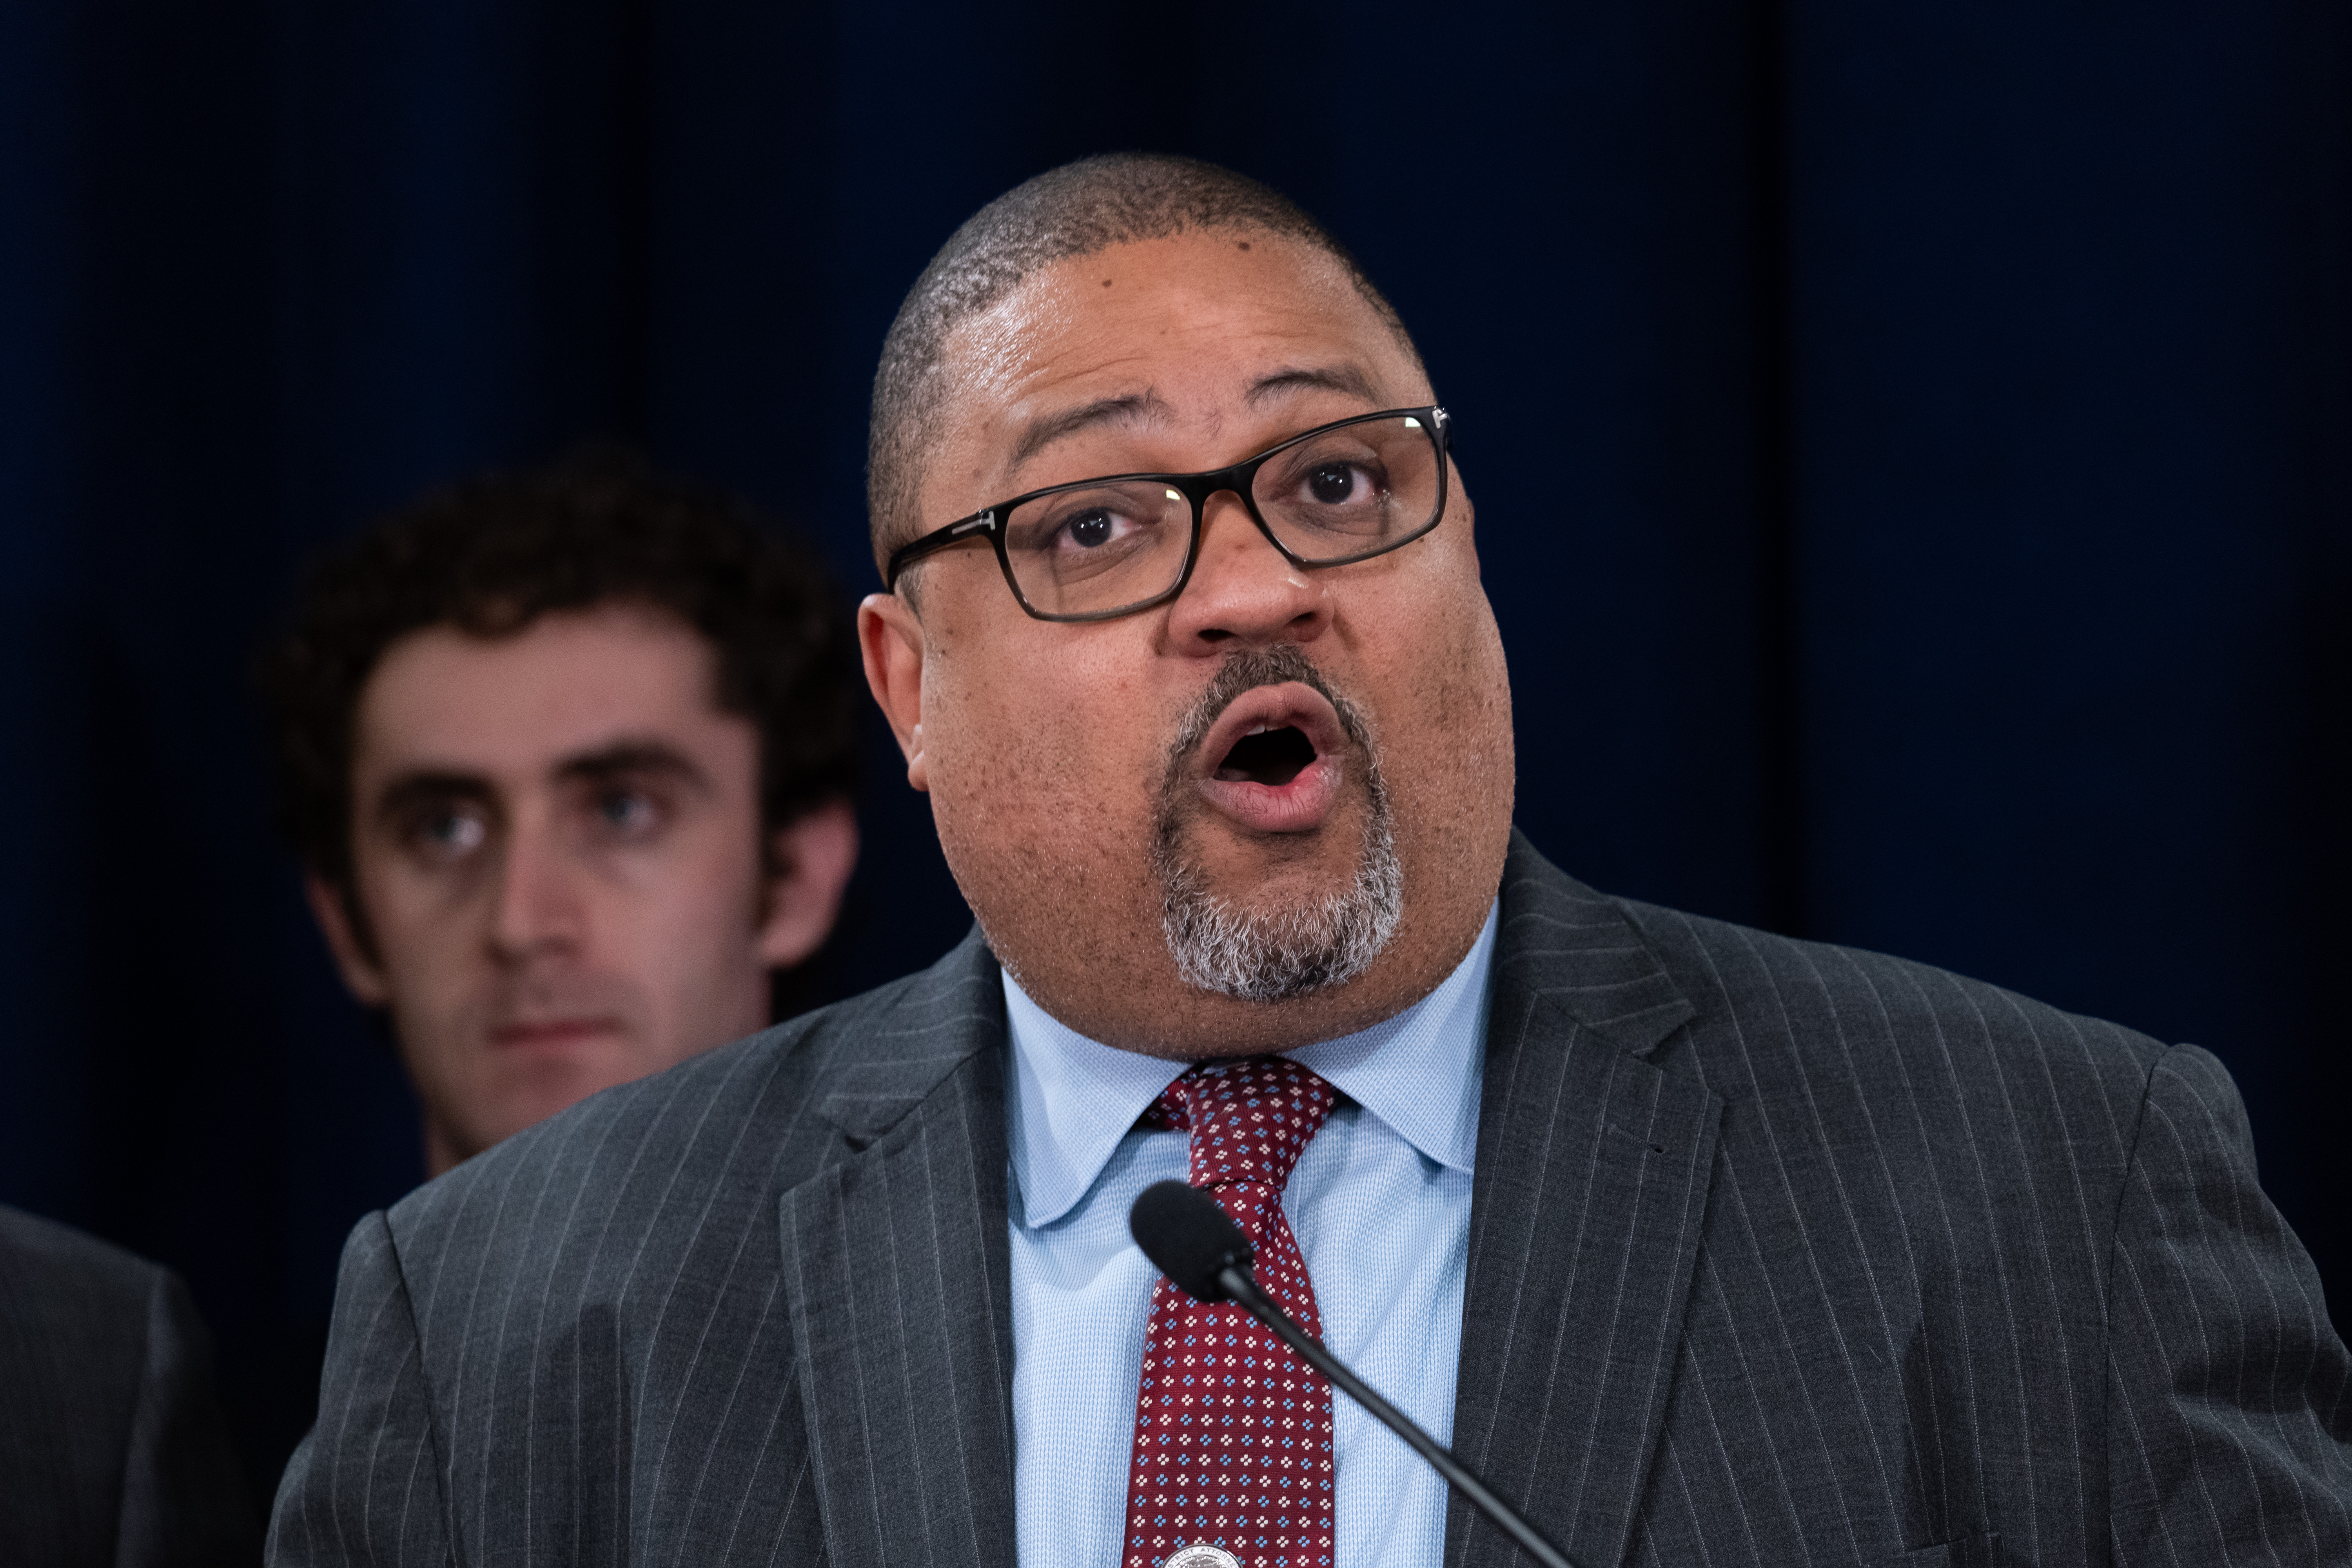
{"points": [[1698, 1245]]}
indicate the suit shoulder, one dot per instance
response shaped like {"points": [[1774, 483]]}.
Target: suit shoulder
{"points": [[1820, 1002], [75, 1314], [65, 1260]]}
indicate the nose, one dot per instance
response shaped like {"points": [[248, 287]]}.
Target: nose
{"points": [[537, 913], [1243, 590]]}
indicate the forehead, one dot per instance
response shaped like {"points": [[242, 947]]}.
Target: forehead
{"points": [[1191, 323], [514, 706]]}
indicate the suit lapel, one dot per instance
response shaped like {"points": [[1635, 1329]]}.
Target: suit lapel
{"points": [[899, 1278], [1587, 1206]]}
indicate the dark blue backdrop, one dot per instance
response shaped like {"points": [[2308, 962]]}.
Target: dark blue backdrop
{"points": [[1938, 419]]}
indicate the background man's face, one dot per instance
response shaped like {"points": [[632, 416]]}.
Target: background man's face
{"points": [[557, 854], [1051, 751]]}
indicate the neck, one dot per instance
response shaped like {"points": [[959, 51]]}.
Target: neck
{"points": [[443, 1153]]}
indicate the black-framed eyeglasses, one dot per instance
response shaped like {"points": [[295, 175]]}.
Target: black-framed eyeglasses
{"points": [[1344, 492]]}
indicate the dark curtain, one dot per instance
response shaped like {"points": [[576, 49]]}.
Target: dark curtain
{"points": [[1938, 420]]}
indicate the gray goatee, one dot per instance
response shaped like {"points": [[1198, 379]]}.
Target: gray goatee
{"points": [[1273, 955]]}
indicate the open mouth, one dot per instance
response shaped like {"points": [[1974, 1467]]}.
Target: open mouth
{"points": [[1267, 756], [1276, 766]]}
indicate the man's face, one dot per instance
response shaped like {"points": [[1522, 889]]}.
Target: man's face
{"points": [[557, 853], [1096, 786]]}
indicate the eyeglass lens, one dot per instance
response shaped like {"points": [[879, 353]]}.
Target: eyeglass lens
{"points": [[1336, 496]]}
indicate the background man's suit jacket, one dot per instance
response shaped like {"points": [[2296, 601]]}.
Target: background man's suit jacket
{"points": [[113, 1453], [1778, 1253]]}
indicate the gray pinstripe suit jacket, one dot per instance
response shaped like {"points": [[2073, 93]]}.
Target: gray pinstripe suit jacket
{"points": [[1780, 1253]]}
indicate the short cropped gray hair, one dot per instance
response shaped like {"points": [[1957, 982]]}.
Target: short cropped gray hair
{"points": [[1080, 208]]}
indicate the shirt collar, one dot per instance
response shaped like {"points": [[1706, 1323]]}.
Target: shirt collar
{"points": [[1073, 1099]]}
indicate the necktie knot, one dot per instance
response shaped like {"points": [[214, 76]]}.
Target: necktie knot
{"points": [[1249, 1118]]}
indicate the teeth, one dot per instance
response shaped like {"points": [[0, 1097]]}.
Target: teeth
{"points": [[1259, 730]]}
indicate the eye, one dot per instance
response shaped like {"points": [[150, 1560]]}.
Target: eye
{"points": [[446, 834], [1336, 484], [626, 813], [1091, 528], [1069, 549]]}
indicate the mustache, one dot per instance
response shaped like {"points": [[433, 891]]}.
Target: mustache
{"points": [[1245, 672]]}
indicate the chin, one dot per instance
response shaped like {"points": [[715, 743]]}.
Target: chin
{"points": [[547, 1086], [1270, 877], [1289, 937]]}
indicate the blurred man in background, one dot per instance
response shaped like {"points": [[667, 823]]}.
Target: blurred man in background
{"points": [[567, 756]]}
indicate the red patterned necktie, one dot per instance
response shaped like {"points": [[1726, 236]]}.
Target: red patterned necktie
{"points": [[1233, 1432]]}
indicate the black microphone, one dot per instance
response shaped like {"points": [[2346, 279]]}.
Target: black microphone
{"points": [[1204, 1253]]}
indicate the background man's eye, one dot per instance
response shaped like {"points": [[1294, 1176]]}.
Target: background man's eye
{"points": [[626, 811], [449, 834]]}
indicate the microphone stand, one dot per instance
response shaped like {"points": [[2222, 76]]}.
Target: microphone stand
{"points": [[1242, 1287]]}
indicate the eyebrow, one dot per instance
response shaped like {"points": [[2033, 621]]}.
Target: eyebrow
{"points": [[1136, 408], [1149, 409], [409, 791], [626, 759], [1345, 378]]}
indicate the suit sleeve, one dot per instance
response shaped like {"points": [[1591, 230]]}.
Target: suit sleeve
{"points": [[2229, 1430], [184, 1502], [367, 1486]]}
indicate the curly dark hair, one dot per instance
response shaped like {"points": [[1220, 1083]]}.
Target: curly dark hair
{"points": [[490, 554]]}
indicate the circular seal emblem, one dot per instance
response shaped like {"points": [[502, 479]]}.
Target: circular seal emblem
{"points": [[1201, 1557]]}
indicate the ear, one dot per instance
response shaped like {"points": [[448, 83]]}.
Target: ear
{"points": [[816, 852], [359, 969], [891, 639]]}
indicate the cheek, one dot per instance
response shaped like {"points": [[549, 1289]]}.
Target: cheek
{"points": [[687, 909], [673, 947], [1456, 707], [422, 927], [1061, 748]]}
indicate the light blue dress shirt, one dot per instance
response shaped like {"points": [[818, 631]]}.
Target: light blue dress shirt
{"points": [[1380, 1205]]}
